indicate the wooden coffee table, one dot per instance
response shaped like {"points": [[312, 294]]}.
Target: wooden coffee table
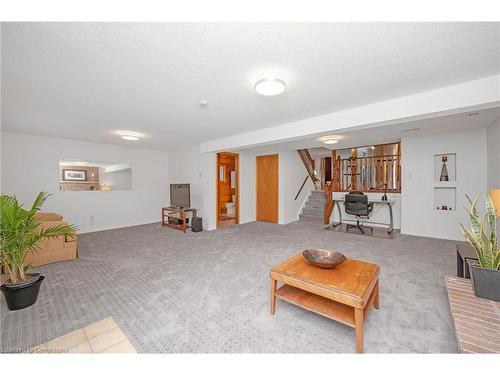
{"points": [[345, 293]]}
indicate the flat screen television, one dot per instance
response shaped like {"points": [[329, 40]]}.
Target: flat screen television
{"points": [[180, 195]]}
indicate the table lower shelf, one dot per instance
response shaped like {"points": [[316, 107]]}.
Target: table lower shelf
{"points": [[318, 304]]}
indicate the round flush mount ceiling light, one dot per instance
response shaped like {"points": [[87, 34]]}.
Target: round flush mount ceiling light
{"points": [[330, 139], [129, 137], [270, 86]]}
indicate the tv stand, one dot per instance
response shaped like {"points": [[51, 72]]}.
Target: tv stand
{"points": [[176, 217]]}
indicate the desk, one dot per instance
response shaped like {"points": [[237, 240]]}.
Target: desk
{"points": [[389, 203]]}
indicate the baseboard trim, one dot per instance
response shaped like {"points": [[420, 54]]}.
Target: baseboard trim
{"points": [[120, 226]]}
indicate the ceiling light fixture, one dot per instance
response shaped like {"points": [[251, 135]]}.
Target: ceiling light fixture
{"points": [[270, 86], [330, 139], [129, 137]]}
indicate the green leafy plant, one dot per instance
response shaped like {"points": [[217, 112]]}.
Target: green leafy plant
{"points": [[21, 233], [484, 242]]}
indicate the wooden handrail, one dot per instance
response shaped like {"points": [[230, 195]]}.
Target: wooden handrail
{"points": [[301, 187], [308, 162], [373, 157]]}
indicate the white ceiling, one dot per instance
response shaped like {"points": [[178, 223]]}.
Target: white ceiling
{"points": [[86, 81], [390, 133]]}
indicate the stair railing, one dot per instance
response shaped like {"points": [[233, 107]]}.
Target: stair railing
{"points": [[369, 174], [308, 161], [301, 187]]}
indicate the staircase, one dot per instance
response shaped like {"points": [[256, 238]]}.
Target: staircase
{"points": [[314, 208]]}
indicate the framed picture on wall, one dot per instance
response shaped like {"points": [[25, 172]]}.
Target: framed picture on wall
{"points": [[74, 175]]}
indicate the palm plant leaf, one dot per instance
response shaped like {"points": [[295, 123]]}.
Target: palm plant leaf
{"points": [[484, 243], [21, 232], [474, 216], [491, 214], [474, 242]]}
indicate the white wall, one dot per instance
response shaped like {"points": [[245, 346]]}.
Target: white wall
{"points": [[291, 175], [187, 165], [493, 134], [119, 180], [418, 215], [247, 186], [190, 166], [30, 164], [199, 169]]}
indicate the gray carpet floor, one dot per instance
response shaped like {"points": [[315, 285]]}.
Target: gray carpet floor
{"points": [[208, 292]]}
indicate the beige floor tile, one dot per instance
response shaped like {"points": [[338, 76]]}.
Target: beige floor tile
{"points": [[84, 347], [122, 347], [99, 327], [107, 339], [68, 341]]}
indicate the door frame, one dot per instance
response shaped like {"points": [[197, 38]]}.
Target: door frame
{"points": [[217, 176], [277, 187]]}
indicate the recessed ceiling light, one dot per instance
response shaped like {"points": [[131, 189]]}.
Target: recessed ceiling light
{"points": [[270, 86], [129, 137], [330, 139]]}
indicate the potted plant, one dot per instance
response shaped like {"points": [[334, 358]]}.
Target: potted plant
{"points": [[21, 233], [485, 275]]}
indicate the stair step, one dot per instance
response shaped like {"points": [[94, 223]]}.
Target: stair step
{"points": [[309, 217], [313, 209], [322, 202], [314, 213]]}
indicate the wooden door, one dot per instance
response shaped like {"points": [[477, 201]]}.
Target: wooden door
{"points": [[267, 188]]}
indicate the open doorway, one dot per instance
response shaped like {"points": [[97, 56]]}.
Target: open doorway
{"points": [[227, 185]]}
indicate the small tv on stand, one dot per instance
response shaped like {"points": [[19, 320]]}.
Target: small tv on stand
{"points": [[180, 195]]}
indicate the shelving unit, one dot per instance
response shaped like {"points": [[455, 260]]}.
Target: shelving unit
{"points": [[445, 192], [176, 217]]}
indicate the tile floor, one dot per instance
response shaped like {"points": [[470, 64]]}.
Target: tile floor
{"points": [[103, 336]]}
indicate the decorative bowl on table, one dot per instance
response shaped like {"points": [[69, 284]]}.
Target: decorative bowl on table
{"points": [[323, 258]]}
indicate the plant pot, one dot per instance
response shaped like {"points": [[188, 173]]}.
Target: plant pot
{"points": [[486, 283], [21, 296]]}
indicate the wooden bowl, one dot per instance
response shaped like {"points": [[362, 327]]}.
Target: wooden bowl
{"points": [[323, 258]]}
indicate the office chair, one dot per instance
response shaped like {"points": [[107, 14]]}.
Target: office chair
{"points": [[356, 203]]}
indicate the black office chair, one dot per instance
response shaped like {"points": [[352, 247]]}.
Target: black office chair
{"points": [[356, 203]]}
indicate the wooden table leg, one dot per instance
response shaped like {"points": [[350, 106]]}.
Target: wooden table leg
{"points": [[358, 321], [376, 302], [273, 296]]}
